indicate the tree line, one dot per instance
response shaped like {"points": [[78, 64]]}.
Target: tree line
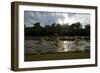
{"points": [[75, 29]]}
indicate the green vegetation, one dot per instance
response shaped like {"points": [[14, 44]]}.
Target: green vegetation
{"points": [[75, 29], [57, 56]]}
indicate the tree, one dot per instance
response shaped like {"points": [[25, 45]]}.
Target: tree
{"points": [[75, 28], [53, 28], [65, 29], [37, 29], [47, 30], [87, 29], [78, 25], [58, 29]]}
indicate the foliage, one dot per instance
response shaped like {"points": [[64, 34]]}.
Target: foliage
{"points": [[75, 29]]}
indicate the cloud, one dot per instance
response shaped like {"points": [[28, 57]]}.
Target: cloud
{"points": [[82, 18], [47, 18]]}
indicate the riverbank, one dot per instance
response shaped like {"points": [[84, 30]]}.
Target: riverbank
{"points": [[55, 37], [57, 56]]}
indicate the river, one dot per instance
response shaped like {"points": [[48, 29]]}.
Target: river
{"points": [[44, 46]]}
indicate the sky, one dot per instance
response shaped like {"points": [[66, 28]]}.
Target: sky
{"points": [[48, 18]]}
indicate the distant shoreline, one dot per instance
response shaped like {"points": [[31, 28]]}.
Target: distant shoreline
{"points": [[54, 37]]}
